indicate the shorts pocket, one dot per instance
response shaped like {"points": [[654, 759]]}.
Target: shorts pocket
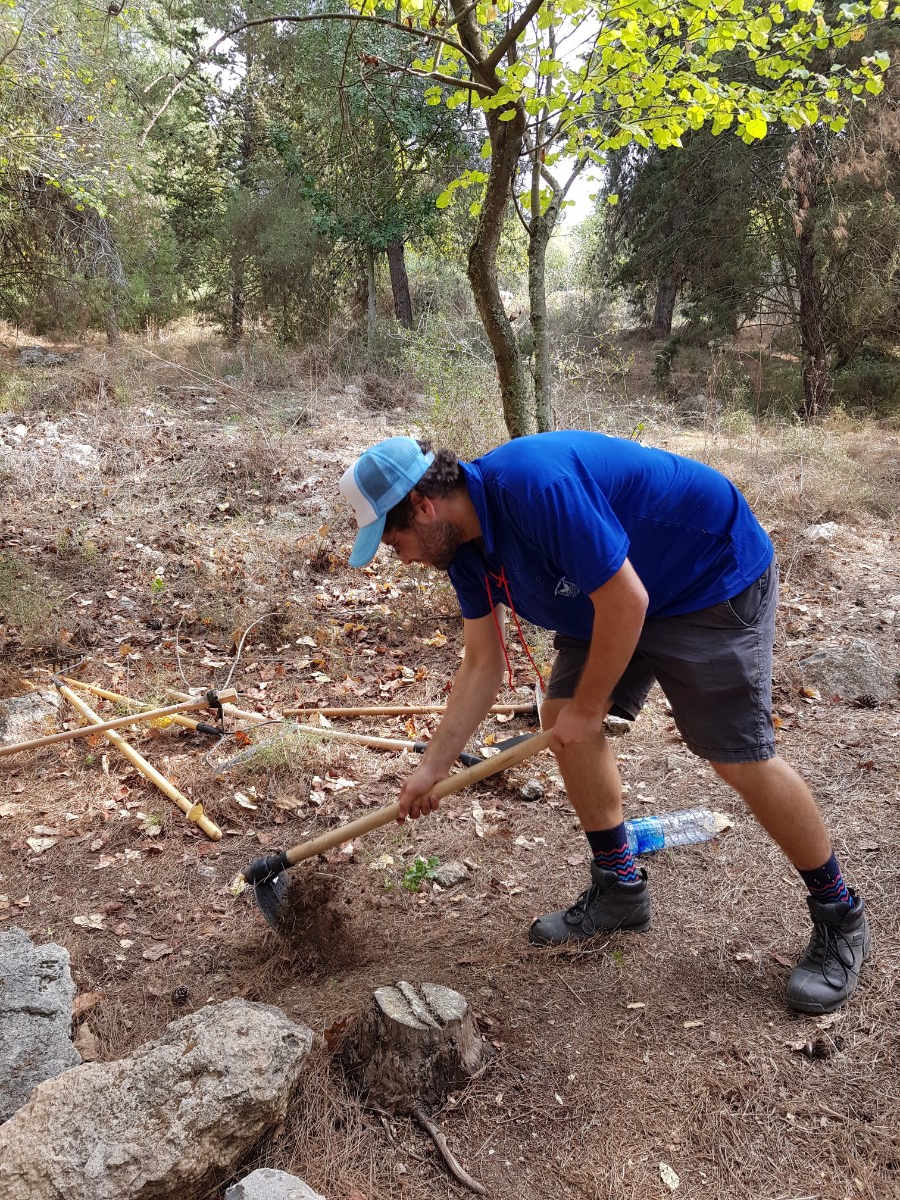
{"points": [[746, 605]]}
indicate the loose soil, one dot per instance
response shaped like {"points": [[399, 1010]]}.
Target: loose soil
{"points": [[203, 544]]}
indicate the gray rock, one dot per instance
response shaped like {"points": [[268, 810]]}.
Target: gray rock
{"points": [[36, 994], [266, 1184], [531, 790], [825, 532], [37, 356], [33, 715], [449, 874], [167, 1121], [851, 671]]}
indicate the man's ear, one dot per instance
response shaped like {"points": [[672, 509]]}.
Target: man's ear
{"points": [[422, 505]]}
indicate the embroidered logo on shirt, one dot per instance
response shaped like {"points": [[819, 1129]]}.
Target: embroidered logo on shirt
{"points": [[566, 589]]}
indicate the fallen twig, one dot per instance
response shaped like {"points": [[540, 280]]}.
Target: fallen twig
{"points": [[440, 1141]]}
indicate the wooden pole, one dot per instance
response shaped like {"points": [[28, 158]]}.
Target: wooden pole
{"points": [[240, 713], [66, 735], [400, 710], [444, 787], [118, 698], [193, 812]]}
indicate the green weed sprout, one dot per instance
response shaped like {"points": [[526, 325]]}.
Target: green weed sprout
{"points": [[421, 869]]}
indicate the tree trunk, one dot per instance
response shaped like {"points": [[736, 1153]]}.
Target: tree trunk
{"points": [[411, 1046], [238, 300], [813, 347], [243, 175], [506, 144], [111, 322], [400, 284], [540, 231], [666, 296], [370, 305]]}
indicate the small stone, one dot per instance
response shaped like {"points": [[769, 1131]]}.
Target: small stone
{"points": [[268, 1184], [449, 874], [825, 532], [532, 790]]}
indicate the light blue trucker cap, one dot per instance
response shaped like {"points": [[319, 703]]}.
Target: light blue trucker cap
{"points": [[378, 480]]}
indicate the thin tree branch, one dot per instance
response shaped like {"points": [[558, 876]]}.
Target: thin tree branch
{"points": [[440, 1141], [511, 36], [15, 44], [356, 18], [480, 89]]}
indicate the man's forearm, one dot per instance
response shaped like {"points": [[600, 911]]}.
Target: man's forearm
{"points": [[605, 666], [472, 694], [619, 610]]}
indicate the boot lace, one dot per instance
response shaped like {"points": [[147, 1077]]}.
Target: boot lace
{"points": [[830, 946], [575, 914]]}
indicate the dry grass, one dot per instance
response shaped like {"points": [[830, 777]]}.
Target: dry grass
{"points": [[585, 1096]]}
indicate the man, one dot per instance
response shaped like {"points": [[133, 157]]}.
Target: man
{"points": [[647, 566]]}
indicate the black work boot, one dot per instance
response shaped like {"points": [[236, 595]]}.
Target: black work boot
{"points": [[606, 905], [828, 972]]}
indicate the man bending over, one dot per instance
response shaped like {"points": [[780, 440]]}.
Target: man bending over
{"points": [[648, 567]]}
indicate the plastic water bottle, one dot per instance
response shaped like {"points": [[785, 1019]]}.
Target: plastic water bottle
{"points": [[684, 828]]}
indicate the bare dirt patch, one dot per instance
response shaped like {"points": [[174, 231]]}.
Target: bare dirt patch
{"points": [[191, 535]]}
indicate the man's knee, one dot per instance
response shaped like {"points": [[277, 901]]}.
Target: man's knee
{"points": [[743, 776], [551, 708]]}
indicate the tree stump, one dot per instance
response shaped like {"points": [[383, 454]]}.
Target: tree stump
{"points": [[411, 1046]]}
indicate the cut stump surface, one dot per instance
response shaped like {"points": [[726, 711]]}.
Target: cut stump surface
{"points": [[411, 1045]]}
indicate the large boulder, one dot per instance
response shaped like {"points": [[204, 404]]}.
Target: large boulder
{"points": [[170, 1120], [266, 1184], [850, 671], [36, 993], [38, 356], [23, 718]]}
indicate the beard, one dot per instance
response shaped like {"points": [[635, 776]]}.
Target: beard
{"points": [[439, 542]]}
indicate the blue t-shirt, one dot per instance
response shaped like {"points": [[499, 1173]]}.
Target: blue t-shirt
{"points": [[560, 512]]}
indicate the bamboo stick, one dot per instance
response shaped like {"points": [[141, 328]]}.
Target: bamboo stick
{"points": [[67, 735], [118, 698], [400, 710], [229, 709], [193, 812]]}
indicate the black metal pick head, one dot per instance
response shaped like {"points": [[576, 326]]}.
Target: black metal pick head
{"points": [[268, 877]]}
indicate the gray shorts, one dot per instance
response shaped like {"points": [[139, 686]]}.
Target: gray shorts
{"points": [[714, 666]]}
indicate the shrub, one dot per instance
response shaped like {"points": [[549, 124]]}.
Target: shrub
{"points": [[870, 384]]}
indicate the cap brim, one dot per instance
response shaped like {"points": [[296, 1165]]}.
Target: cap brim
{"points": [[367, 542]]}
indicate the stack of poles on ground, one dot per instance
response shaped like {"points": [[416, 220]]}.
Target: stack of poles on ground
{"points": [[222, 703]]}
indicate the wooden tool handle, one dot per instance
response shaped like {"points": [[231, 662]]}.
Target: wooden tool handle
{"points": [[446, 787], [178, 719], [398, 710], [194, 812], [239, 714], [101, 726]]}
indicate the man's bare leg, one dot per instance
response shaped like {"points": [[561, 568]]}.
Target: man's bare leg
{"points": [[591, 776], [784, 806], [617, 897]]}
